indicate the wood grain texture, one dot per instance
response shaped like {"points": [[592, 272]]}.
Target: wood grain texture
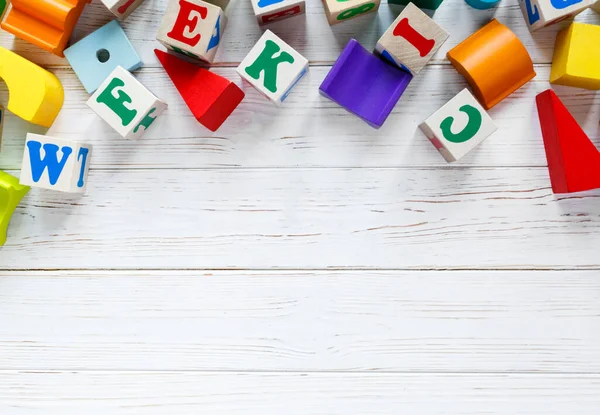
{"points": [[307, 130], [308, 34], [307, 218], [354, 321], [190, 393]]}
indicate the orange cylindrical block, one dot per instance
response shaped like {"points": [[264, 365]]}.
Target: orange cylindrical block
{"points": [[494, 62]]}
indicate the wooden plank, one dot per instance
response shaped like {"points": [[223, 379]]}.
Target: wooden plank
{"points": [[478, 321], [309, 219], [307, 131], [191, 393], [310, 35]]}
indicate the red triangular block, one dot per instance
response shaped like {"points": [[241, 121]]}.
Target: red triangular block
{"points": [[210, 97], [573, 160]]}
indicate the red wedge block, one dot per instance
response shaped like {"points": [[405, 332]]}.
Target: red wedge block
{"points": [[573, 160], [210, 97]]}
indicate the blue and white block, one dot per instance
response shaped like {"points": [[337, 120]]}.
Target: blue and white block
{"points": [[95, 56], [542, 13], [55, 164]]}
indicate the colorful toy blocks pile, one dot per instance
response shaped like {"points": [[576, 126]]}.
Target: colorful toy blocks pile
{"points": [[368, 84]]}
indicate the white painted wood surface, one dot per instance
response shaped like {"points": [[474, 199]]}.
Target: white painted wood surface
{"points": [[298, 261]]}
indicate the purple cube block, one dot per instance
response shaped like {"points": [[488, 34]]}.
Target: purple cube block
{"points": [[364, 84]]}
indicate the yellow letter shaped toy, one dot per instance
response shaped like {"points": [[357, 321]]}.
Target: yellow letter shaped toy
{"points": [[11, 193]]}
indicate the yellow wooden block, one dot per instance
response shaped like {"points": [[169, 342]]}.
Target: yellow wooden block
{"points": [[35, 94], [576, 60]]}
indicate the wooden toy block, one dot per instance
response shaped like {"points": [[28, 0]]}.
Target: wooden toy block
{"points": [[482, 4], [273, 67], [341, 10], [11, 193], [223, 4], [421, 4], [412, 40], [210, 97], [3, 7], [267, 11], [458, 127], [55, 164], [576, 60], [35, 94], [494, 62], [125, 104], [47, 24], [596, 7], [122, 8], [95, 56], [573, 160], [193, 28], [364, 84], [542, 13]]}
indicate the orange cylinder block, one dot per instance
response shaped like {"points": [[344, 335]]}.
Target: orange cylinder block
{"points": [[45, 23], [494, 62]]}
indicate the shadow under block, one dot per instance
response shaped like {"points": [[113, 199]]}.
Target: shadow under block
{"points": [[47, 24], [482, 4], [125, 104], [273, 67], [542, 13], [267, 11], [458, 127], [193, 28], [122, 8], [338, 11], [412, 40], [421, 4], [210, 97], [576, 60], [95, 56], [573, 160], [11, 193], [35, 94], [55, 164], [494, 62], [364, 84]]}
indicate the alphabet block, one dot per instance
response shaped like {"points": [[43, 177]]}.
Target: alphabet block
{"points": [[267, 11], [482, 4], [273, 67], [193, 28], [125, 104], [576, 60], [122, 8], [421, 4], [364, 84], [412, 40], [542, 13], [55, 164], [95, 56], [36, 95], [3, 6], [458, 127], [494, 62], [11, 193], [573, 160], [210, 97], [341, 10], [47, 24]]}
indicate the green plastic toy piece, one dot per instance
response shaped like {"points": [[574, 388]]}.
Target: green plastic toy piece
{"points": [[11, 193], [421, 4]]}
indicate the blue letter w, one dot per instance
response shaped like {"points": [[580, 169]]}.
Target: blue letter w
{"points": [[50, 160]]}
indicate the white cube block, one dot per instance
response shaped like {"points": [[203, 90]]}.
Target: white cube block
{"points": [[273, 67], [192, 27], [542, 13], [459, 126], [340, 11], [267, 11], [55, 164], [412, 40], [122, 8], [125, 104]]}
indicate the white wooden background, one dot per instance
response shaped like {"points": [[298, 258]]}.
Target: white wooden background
{"points": [[298, 261]]}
